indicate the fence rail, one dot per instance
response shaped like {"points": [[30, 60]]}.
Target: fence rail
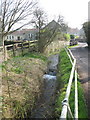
{"points": [[17, 46], [66, 111]]}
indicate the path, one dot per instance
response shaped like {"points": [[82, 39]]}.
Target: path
{"points": [[82, 54]]}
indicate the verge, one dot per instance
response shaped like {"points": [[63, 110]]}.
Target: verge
{"points": [[64, 70]]}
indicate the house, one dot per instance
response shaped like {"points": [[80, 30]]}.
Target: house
{"points": [[53, 25], [73, 31], [24, 34]]}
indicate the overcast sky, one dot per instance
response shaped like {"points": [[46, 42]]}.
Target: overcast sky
{"points": [[75, 12]]}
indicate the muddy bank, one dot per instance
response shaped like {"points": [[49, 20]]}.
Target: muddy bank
{"points": [[45, 105]]}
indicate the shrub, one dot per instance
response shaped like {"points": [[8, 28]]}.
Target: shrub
{"points": [[86, 28], [66, 36], [72, 36]]}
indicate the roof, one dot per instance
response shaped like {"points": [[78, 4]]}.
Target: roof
{"points": [[24, 31], [52, 24]]}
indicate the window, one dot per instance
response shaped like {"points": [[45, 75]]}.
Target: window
{"points": [[18, 37], [10, 37]]}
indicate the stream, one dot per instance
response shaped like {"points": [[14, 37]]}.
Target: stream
{"points": [[45, 106]]}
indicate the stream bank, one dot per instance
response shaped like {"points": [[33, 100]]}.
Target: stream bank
{"points": [[45, 105]]}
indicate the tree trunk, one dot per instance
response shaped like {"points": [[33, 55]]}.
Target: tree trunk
{"points": [[3, 39]]}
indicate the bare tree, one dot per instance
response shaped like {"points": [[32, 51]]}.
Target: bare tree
{"points": [[39, 19], [15, 14], [62, 23], [48, 32], [48, 35]]}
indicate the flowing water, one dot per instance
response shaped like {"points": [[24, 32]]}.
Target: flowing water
{"points": [[45, 106]]}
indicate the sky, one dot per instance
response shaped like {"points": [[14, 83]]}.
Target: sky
{"points": [[75, 12]]}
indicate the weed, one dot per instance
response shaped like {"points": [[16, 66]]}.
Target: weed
{"points": [[17, 70]]}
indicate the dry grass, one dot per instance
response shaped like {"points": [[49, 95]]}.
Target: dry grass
{"points": [[21, 85]]}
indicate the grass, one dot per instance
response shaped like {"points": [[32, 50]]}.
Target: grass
{"points": [[32, 55], [24, 76], [72, 46], [17, 68], [82, 108], [62, 78], [63, 75], [36, 55]]}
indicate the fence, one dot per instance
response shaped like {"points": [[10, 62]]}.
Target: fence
{"points": [[66, 111], [18, 47]]}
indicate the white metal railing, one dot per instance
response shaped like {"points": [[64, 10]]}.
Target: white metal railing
{"points": [[65, 103]]}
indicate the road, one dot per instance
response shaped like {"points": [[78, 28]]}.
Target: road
{"points": [[81, 53]]}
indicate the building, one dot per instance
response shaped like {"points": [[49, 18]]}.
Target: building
{"points": [[73, 31], [53, 25], [24, 34]]}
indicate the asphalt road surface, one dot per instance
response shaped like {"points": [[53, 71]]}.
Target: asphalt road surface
{"points": [[82, 55]]}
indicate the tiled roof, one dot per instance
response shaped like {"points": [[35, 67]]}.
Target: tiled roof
{"points": [[23, 31]]}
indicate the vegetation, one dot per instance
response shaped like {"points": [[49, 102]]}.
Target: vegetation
{"points": [[72, 36], [47, 32], [72, 46], [86, 28], [63, 77], [22, 84], [13, 13], [67, 36]]}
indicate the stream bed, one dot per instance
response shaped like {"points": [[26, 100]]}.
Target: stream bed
{"points": [[45, 105]]}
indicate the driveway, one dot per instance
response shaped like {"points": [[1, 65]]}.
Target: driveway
{"points": [[81, 53]]}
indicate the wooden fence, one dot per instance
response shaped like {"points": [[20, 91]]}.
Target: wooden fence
{"points": [[18, 48]]}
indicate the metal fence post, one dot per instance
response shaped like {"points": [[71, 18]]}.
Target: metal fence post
{"points": [[76, 97], [70, 113], [64, 109]]}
